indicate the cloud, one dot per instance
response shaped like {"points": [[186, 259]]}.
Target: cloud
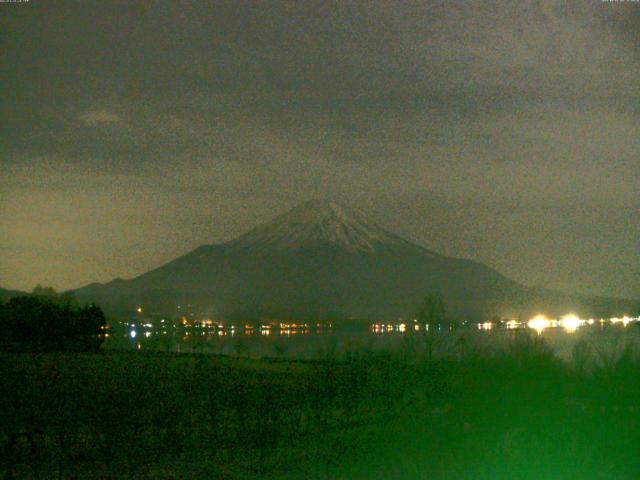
{"points": [[98, 117], [226, 112]]}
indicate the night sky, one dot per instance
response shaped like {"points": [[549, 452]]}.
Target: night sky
{"points": [[507, 132]]}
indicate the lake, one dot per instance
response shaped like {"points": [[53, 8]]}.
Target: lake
{"points": [[605, 338]]}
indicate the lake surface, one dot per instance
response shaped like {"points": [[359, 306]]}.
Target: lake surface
{"points": [[605, 339]]}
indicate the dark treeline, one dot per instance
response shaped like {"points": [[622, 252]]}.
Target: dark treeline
{"points": [[45, 321]]}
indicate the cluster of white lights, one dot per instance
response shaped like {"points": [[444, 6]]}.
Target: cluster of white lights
{"points": [[540, 322], [572, 322], [624, 320]]}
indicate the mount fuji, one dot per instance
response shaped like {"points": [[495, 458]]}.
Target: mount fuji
{"points": [[322, 260]]}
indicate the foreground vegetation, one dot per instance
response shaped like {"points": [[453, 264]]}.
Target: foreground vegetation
{"points": [[513, 413]]}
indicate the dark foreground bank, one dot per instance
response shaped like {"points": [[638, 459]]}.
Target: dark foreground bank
{"points": [[517, 413]]}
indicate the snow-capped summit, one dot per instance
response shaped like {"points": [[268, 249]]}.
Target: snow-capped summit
{"points": [[318, 221]]}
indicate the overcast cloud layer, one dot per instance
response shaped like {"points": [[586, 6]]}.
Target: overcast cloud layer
{"points": [[507, 132]]}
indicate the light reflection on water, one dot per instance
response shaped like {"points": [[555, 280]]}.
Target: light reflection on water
{"points": [[311, 341]]}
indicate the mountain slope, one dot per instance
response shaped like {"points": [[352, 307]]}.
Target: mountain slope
{"points": [[320, 260]]}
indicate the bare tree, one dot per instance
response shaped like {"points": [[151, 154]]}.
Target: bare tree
{"points": [[432, 316]]}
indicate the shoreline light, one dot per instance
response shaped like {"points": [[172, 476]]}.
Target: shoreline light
{"points": [[571, 322], [539, 323], [624, 320]]}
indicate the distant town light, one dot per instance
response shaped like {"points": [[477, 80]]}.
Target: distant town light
{"points": [[571, 322], [624, 320], [139, 309], [539, 323]]}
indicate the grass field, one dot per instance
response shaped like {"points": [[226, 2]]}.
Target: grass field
{"points": [[517, 413]]}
